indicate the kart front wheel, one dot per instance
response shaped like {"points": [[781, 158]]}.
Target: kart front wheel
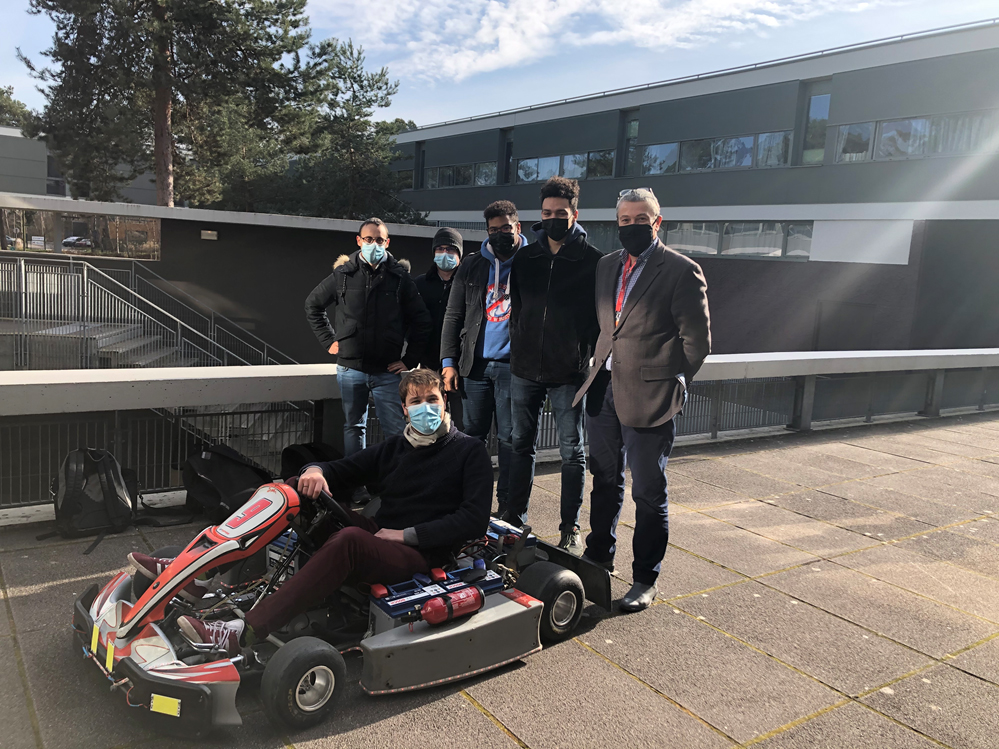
{"points": [[302, 683], [561, 591]]}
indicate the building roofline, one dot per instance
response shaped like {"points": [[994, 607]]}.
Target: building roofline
{"points": [[414, 135]]}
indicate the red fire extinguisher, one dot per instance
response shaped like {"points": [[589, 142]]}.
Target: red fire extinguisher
{"points": [[451, 606]]}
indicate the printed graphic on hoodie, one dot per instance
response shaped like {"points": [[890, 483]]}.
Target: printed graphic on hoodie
{"points": [[498, 305]]}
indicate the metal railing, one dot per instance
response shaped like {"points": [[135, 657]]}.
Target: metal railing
{"points": [[153, 419]]}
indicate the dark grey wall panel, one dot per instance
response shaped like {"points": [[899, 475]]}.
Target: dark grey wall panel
{"points": [[407, 153], [463, 149], [935, 86], [590, 132], [752, 110]]}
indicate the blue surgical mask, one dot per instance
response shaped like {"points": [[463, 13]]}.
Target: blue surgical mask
{"points": [[372, 253], [446, 261], [426, 418]]}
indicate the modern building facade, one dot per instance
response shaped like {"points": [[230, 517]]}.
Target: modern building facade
{"points": [[845, 199]]}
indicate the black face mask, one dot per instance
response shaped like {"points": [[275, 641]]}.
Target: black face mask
{"points": [[502, 244], [636, 238], [555, 228]]}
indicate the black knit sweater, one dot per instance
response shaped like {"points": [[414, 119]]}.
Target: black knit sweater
{"points": [[444, 490]]}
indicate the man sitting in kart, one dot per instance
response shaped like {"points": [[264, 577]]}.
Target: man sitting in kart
{"points": [[436, 488]]}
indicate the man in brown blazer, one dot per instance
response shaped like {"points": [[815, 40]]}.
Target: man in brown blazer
{"points": [[652, 307]]}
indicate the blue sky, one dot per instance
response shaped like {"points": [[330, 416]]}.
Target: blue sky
{"points": [[457, 58]]}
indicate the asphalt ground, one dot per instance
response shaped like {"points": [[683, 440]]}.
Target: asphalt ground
{"points": [[837, 589]]}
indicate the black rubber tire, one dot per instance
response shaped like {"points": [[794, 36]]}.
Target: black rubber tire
{"points": [[140, 582], [548, 582], [279, 686]]}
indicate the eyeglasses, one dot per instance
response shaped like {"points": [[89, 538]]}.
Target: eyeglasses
{"points": [[636, 189], [374, 240], [508, 229], [446, 248]]}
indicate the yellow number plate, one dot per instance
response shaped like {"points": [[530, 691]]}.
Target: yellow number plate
{"points": [[109, 663], [166, 705], [94, 637]]}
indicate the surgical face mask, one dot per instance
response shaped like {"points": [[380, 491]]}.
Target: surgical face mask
{"points": [[636, 238], [446, 260], [372, 253], [502, 244], [555, 228], [426, 418]]}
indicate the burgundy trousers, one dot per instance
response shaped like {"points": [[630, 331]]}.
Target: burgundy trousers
{"points": [[350, 555]]}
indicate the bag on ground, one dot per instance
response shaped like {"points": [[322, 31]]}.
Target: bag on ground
{"points": [[219, 480]]}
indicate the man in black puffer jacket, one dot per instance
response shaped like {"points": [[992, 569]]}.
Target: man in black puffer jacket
{"points": [[553, 328], [376, 310]]}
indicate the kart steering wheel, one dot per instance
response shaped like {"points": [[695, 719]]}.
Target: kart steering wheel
{"points": [[339, 515]]}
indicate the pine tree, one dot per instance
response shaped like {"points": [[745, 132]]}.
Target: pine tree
{"points": [[13, 113]]}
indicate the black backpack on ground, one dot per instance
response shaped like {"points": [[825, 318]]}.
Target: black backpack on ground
{"points": [[295, 457], [219, 481]]}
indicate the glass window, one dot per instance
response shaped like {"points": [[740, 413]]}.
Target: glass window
{"points": [[773, 149], [695, 154], [430, 177], [463, 174], [962, 133], [485, 173], [730, 153], [603, 235], [405, 179], [548, 167], [661, 158], [760, 238], [854, 142], [693, 237], [527, 170], [901, 139], [815, 130], [600, 164], [799, 240], [446, 178], [632, 152], [574, 166]]}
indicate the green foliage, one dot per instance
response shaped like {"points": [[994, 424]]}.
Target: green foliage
{"points": [[13, 113]]}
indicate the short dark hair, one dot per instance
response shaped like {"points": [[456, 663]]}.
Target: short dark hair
{"points": [[372, 220], [500, 208], [560, 187], [420, 379]]}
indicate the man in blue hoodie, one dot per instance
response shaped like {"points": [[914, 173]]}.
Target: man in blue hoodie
{"points": [[475, 340]]}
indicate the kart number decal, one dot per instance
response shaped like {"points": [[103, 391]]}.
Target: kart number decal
{"points": [[255, 509], [109, 662], [94, 638], [165, 705]]}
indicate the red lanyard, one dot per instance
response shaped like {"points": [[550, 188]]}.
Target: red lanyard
{"points": [[629, 267]]}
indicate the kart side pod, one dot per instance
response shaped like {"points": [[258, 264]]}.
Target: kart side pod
{"points": [[504, 630]]}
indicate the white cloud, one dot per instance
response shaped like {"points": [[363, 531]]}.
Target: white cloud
{"points": [[451, 40]]}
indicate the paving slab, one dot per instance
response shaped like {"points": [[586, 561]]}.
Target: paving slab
{"points": [[257, 732], [929, 577], [944, 486], [892, 445], [932, 512], [851, 726], [926, 626], [984, 529], [799, 531], [879, 525], [979, 466], [42, 584], [970, 553], [882, 462], [837, 653], [814, 457], [946, 446], [683, 573], [19, 537], [697, 495], [944, 703], [982, 661], [980, 438], [17, 732], [606, 704], [732, 547], [738, 690], [721, 474], [779, 465]]}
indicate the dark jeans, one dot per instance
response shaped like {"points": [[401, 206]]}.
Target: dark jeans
{"points": [[488, 394], [527, 399], [350, 555], [354, 388], [612, 446]]}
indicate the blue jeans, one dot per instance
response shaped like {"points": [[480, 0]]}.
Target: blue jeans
{"points": [[354, 388], [645, 451], [527, 399], [483, 399]]}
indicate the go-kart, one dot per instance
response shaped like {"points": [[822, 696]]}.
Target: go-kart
{"points": [[497, 601]]}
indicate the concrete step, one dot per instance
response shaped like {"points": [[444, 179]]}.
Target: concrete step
{"points": [[130, 345], [160, 357]]}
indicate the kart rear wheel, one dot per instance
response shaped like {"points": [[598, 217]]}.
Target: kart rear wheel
{"points": [[303, 682], [561, 591]]}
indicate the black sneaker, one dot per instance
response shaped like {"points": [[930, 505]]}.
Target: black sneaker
{"points": [[571, 539]]}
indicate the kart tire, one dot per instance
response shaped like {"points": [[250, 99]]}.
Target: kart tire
{"points": [[561, 591], [303, 682], [140, 582]]}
